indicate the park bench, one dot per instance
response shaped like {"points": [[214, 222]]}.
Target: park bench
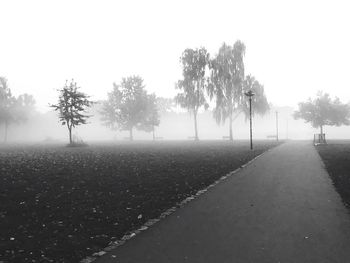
{"points": [[320, 138], [271, 136], [225, 137]]}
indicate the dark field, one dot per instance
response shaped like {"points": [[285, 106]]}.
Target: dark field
{"points": [[336, 157], [60, 204]]}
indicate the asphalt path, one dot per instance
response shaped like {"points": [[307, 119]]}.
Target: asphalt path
{"points": [[280, 208]]}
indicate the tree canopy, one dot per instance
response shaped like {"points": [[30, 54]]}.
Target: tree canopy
{"points": [[6, 105], [322, 111], [6, 101], [23, 108], [165, 105]]}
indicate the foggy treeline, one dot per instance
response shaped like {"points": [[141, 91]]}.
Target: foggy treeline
{"points": [[212, 103], [174, 125]]}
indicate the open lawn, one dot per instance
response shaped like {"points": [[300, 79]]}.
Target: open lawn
{"points": [[61, 204], [336, 157]]}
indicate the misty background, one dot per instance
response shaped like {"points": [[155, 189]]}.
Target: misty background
{"points": [[294, 48], [44, 127]]}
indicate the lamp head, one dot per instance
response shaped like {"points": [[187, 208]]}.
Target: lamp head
{"points": [[249, 93]]}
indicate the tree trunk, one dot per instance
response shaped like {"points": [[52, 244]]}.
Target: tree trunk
{"points": [[6, 127], [195, 126], [130, 135], [154, 136], [230, 127], [323, 138], [70, 135], [70, 132]]}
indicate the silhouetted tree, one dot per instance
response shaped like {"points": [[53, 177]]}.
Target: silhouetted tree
{"points": [[129, 106], [226, 82], [194, 64], [323, 111], [72, 105]]}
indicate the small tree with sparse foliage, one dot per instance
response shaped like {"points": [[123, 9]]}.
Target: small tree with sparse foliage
{"points": [[72, 105]]}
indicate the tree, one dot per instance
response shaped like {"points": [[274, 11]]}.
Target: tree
{"points": [[23, 108], [129, 106], [323, 111], [110, 111], [12, 109], [165, 105], [6, 105], [194, 64], [259, 100], [72, 105], [226, 82], [152, 116]]}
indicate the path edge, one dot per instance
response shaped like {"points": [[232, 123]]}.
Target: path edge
{"points": [[115, 244]]}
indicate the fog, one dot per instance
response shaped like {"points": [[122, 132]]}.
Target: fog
{"points": [[293, 48], [45, 128]]}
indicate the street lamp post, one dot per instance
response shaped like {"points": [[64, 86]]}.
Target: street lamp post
{"points": [[276, 125], [250, 94]]}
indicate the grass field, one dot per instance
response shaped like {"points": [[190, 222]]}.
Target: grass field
{"points": [[60, 204], [336, 157]]}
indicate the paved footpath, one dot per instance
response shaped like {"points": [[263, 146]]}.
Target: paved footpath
{"points": [[280, 208]]}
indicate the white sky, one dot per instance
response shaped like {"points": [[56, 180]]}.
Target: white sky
{"points": [[294, 48]]}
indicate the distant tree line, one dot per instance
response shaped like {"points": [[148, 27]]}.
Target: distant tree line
{"points": [[220, 80], [13, 109]]}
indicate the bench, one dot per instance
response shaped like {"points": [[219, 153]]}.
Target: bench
{"points": [[320, 138], [271, 136]]}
